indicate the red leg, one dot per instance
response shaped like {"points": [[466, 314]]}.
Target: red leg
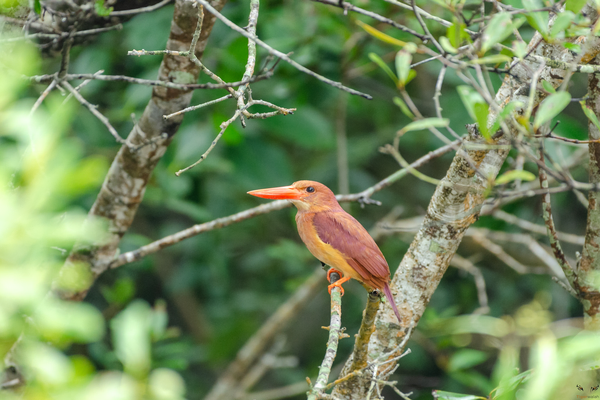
{"points": [[331, 271], [337, 283]]}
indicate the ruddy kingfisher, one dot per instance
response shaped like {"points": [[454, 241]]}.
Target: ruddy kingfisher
{"points": [[335, 237]]}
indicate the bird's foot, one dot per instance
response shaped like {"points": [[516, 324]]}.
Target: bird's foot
{"points": [[337, 283], [331, 271]]}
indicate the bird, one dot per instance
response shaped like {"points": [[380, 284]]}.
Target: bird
{"points": [[335, 237]]}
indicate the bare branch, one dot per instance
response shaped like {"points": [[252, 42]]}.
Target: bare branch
{"points": [[141, 10], [94, 111], [279, 54]]}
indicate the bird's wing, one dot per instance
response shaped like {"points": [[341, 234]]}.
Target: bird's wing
{"points": [[345, 234]]}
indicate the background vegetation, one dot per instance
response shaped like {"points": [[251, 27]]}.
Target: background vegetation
{"points": [[174, 320]]}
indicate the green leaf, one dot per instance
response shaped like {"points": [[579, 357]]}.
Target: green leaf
{"points": [[519, 49], [499, 28], [380, 35], [505, 113], [590, 114], [465, 359], [482, 111], [574, 5], [447, 45], [514, 175], [101, 10], [443, 395], [457, 33], [469, 97], [538, 20], [561, 24], [37, 7], [551, 107], [131, 337], [403, 60], [512, 383], [493, 59], [403, 107], [548, 87], [426, 123], [572, 46], [377, 60]]}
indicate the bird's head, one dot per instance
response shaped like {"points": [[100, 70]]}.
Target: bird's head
{"points": [[304, 195]]}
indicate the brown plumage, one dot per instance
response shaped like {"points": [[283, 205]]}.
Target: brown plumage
{"points": [[335, 237]]}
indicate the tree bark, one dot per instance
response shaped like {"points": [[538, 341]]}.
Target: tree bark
{"points": [[125, 183]]}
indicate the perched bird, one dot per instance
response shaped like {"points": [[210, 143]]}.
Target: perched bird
{"points": [[334, 236]]}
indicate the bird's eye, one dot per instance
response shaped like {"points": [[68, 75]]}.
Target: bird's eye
{"points": [[310, 189]]}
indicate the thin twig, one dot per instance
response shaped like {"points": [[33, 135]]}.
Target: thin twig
{"points": [[351, 7], [279, 54], [40, 99], [94, 111], [140, 10], [196, 107]]}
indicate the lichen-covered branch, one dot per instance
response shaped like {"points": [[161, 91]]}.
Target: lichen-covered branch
{"points": [[335, 331], [457, 202]]}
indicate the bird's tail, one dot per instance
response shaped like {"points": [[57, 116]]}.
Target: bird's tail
{"points": [[390, 298]]}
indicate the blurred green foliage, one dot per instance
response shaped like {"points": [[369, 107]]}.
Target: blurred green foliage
{"points": [[213, 291]]}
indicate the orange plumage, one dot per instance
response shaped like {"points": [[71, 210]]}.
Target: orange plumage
{"points": [[334, 236]]}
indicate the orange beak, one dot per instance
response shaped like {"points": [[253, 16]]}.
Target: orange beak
{"points": [[282, 192]]}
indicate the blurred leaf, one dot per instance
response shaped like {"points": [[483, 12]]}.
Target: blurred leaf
{"points": [[120, 293], [405, 73], [470, 97], [493, 59], [403, 107], [481, 111], [505, 113], [561, 23], [380, 35], [101, 10], [514, 175], [44, 363], [499, 28], [574, 47], [37, 7], [457, 33], [511, 384], [548, 87], [377, 60], [425, 123], [447, 45], [443, 395], [131, 337], [590, 114], [61, 321], [574, 5], [539, 19], [166, 384], [465, 359], [551, 107]]}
